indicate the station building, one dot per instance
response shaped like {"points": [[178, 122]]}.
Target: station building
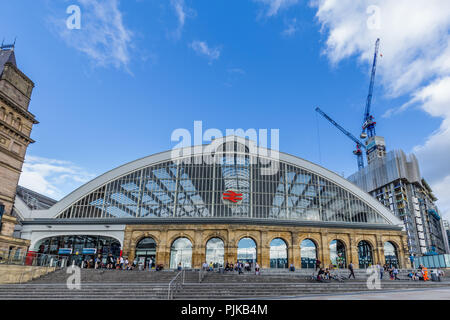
{"points": [[227, 201]]}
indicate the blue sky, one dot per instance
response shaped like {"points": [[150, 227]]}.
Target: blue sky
{"points": [[116, 89]]}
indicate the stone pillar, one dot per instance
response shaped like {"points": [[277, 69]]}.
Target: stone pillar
{"points": [[324, 249], [379, 250], [163, 250], [198, 250], [353, 256], [294, 250], [264, 252]]}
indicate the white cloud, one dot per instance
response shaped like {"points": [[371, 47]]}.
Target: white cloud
{"points": [[103, 36], [415, 44], [274, 6], [291, 27], [202, 48], [53, 178], [182, 12]]}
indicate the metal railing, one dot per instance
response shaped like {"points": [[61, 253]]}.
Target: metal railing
{"points": [[31, 259], [44, 261], [176, 283]]}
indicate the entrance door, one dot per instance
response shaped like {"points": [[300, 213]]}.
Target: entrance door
{"points": [[146, 251]]}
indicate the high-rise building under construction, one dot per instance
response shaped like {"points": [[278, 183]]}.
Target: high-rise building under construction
{"points": [[394, 179]]}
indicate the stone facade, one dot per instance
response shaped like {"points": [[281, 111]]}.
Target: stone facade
{"points": [[16, 123], [164, 235]]}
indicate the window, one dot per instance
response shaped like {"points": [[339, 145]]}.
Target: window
{"points": [[215, 252], [247, 251], [338, 254], [308, 253], [364, 254], [278, 253], [181, 253]]}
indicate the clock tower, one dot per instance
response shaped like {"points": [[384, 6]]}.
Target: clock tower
{"points": [[16, 123]]}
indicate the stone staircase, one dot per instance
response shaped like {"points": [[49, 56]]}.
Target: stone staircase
{"points": [[138, 285]]}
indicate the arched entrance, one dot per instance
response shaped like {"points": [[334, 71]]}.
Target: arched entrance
{"points": [[390, 254], [308, 253], [181, 253], [278, 254], [146, 252], [337, 254], [365, 255], [247, 251], [79, 249], [215, 252]]}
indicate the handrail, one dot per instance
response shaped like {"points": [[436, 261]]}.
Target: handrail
{"points": [[58, 263], [177, 278]]}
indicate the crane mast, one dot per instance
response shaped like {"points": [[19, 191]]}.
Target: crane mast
{"points": [[368, 121]]}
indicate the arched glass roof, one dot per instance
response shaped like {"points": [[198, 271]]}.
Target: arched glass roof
{"points": [[234, 185]]}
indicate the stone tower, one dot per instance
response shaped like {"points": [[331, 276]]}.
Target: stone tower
{"points": [[16, 123]]}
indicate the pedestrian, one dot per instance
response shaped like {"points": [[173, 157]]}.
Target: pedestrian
{"points": [[110, 261], [179, 267], [350, 268], [395, 273], [121, 263], [150, 264], [380, 270], [318, 264], [257, 272], [125, 264]]}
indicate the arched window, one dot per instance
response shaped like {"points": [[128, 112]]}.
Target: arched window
{"points": [[215, 252], [278, 253], [181, 253], [365, 255], [390, 254], [18, 124], [146, 252], [337, 254], [308, 253], [247, 251]]}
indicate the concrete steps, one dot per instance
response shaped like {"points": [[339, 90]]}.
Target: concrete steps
{"points": [[139, 285]]}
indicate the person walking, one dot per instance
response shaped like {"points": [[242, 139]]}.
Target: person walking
{"points": [[350, 268], [121, 263], [318, 264], [257, 268], [380, 270]]}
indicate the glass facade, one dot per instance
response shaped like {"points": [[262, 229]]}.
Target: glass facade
{"points": [[364, 254], [190, 188], [278, 254], [80, 248], [247, 251], [181, 253], [390, 254], [337, 254], [308, 253], [215, 252], [146, 252]]}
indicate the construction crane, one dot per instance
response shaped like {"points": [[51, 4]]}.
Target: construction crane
{"points": [[357, 152], [368, 121]]}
